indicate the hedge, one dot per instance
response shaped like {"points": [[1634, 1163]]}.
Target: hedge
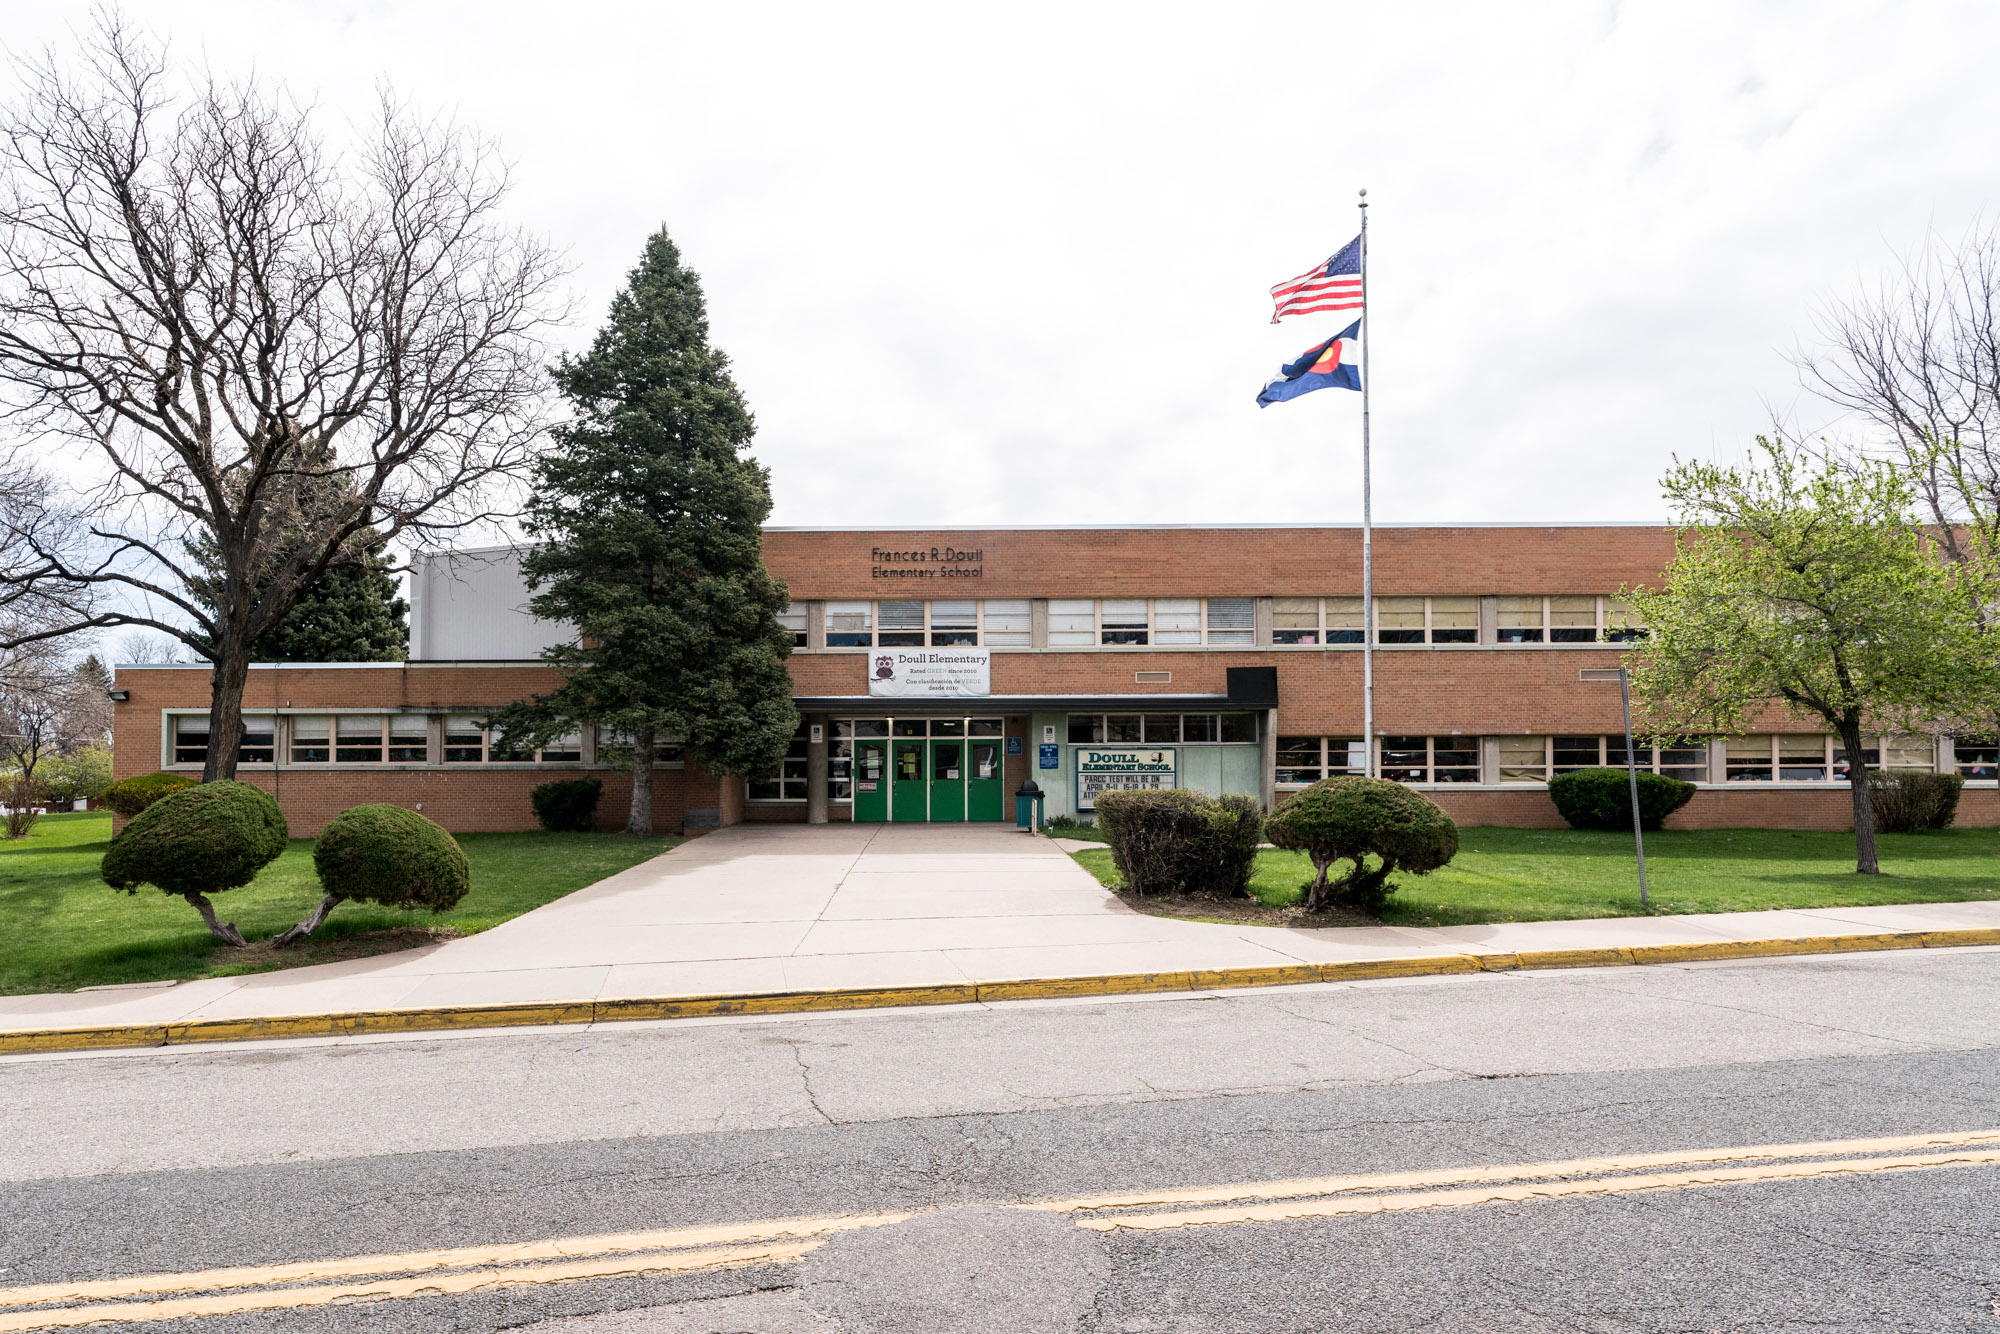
{"points": [[1353, 819], [391, 856], [384, 854], [1181, 842], [200, 841], [567, 803], [129, 796], [1602, 798], [1909, 801]]}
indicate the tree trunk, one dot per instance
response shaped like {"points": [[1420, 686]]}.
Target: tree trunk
{"points": [[640, 820], [1316, 891], [225, 932], [310, 925], [1864, 810], [225, 711]]}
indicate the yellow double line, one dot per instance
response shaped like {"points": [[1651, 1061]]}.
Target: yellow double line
{"points": [[370, 1278]]}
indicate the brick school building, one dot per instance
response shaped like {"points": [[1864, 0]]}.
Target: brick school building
{"points": [[936, 671]]}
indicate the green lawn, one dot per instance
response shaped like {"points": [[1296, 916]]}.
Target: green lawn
{"points": [[1527, 875], [61, 927]]}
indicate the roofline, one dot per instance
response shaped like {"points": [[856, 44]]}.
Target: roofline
{"points": [[448, 553], [398, 664], [1192, 527]]}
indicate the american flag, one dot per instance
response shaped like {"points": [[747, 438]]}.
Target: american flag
{"points": [[1334, 285]]}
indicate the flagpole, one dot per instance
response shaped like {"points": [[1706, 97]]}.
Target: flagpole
{"points": [[1371, 767]]}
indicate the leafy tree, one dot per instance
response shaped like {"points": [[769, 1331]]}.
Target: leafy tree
{"points": [[650, 516], [80, 775], [1810, 590]]}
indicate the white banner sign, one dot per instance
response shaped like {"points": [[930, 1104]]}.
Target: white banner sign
{"points": [[1102, 769], [930, 673]]}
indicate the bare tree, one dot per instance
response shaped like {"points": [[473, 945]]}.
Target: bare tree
{"points": [[43, 711], [265, 348], [1918, 360]]}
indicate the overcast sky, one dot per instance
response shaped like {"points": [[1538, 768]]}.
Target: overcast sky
{"points": [[1010, 264]]}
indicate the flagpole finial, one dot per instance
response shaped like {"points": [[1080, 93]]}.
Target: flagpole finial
{"points": [[1364, 192]]}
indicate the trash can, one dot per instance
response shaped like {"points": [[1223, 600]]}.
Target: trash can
{"points": [[1028, 807]]}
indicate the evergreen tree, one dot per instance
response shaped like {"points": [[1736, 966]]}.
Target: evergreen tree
{"points": [[352, 613], [650, 521]]}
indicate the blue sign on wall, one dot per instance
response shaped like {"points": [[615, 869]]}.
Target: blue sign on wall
{"points": [[1047, 759], [1013, 745]]}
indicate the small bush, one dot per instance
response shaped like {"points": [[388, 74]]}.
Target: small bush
{"points": [[131, 795], [197, 842], [1352, 819], [1907, 801], [1181, 842], [391, 856], [1602, 798], [18, 795], [567, 803]]}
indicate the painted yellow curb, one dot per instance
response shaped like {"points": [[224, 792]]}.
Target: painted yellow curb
{"points": [[540, 1014]]}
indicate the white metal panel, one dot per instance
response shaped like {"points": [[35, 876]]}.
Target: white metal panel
{"points": [[473, 605]]}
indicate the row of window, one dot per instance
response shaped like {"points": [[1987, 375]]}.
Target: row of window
{"points": [[1149, 729], [1455, 620], [370, 738], [1161, 729], [1760, 758], [1189, 622]]}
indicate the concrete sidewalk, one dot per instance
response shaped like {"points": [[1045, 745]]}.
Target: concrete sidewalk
{"points": [[762, 911]]}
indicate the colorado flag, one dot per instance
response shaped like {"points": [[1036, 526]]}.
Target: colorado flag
{"points": [[1336, 363]]}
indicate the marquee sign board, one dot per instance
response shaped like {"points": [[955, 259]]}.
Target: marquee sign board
{"points": [[930, 673], [1122, 769]]}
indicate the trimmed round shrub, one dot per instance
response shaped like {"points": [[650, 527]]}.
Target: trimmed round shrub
{"points": [[1181, 842], [1909, 801], [197, 842], [1602, 798], [129, 796], [567, 803], [1353, 819], [391, 856]]}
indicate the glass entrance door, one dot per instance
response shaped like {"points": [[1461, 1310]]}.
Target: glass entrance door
{"points": [[871, 781], [983, 796], [947, 781], [908, 789]]}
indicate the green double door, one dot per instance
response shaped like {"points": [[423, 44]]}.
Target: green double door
{"points": [[935, 781]]}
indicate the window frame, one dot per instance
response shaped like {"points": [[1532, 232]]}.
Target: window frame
{"points": [[1143, 721], [1430, 768], [1316, 759]]}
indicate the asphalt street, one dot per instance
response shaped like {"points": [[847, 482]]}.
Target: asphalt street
{"points": [[119, 1166]]}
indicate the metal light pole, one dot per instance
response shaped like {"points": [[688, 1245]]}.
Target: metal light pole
{"points": [[1631, 762], [1371, 767]]}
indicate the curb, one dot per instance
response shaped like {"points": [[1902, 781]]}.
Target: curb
{"points": [[539, 1014]]}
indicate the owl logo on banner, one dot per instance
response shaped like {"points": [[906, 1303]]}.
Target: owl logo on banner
{"points": [[885, 668]]}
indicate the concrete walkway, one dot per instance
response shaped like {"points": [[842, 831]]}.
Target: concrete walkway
{"points": [[761, 909]]}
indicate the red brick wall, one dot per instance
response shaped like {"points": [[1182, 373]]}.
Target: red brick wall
{"points": [[1471, 691], [1738, 806], [1226, 562]]}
